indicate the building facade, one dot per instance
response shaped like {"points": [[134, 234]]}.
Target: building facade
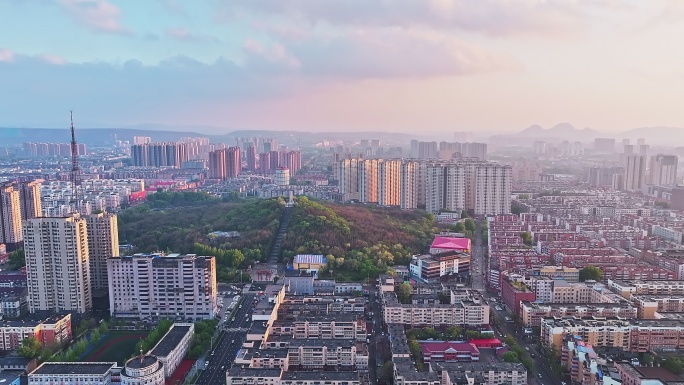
{"points": [[103, 243], [57, 264], [153, 286]]}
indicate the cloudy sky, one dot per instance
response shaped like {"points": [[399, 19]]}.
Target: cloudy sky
{"points": [[386, 65]]}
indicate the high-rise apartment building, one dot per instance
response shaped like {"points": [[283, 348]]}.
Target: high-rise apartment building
{"points": [[474, 150], [663, 170], [348, 174], [293, 161], [492, 189], [142, 140], [103, 243], [155, 286], [265, 163], [409, 194], [250, 155], [57, 264], [368, 180], [10, 217], [445, 187], [233, 162], [389, 182], [427, 150], [217, 164], [635, 172], [29, 199], [159, 154]]}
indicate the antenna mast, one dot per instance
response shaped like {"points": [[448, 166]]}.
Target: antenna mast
{"points": [[75, 170]]}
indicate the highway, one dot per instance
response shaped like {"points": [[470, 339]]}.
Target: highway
{"points": [[228, 344]]}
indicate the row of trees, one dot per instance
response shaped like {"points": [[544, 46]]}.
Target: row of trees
{"points": [[155, 336], [31, 348], [201, 340], [517, 353]]}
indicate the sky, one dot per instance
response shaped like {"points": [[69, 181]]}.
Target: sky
{"points": [[347, 65]]}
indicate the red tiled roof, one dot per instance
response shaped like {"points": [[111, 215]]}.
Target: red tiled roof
{"points": [[451, 243]]}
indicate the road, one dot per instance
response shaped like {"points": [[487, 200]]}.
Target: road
{"points": [[478, 261], [540, 365], [376, 333], [228, 344]]}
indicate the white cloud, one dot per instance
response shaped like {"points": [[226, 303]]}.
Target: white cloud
{"points": [[6, 55], [96, 15]]}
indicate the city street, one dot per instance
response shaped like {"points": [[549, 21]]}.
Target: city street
{"points": [[373, 354], [478, 260], [229, 342]]}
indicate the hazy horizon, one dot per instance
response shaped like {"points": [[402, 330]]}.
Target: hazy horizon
{"points": [[408, 66]]}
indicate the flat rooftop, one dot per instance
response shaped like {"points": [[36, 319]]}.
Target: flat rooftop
{"points": [[238, 371], [170, 341], [138, 363], [321, 376], [56, 368]]}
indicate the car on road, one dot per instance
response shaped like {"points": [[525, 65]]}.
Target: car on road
{"points": [[539, 374]]}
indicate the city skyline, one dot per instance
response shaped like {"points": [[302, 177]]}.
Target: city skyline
{"points": [[405, 66]]}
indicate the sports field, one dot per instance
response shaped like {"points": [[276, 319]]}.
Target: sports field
{"points": [[118, 346]]}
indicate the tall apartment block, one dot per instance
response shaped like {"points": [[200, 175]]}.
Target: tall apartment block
{"points": [[225, 163], [155, 286], [103, 243], [217, 164], [445, 187], [368, 180], [492, 189], [10, 217], [233, 162], [408, 193], [250, 157], [348, 174], [389, 183], [29, 199], [663, 170], [635, 171], [159, 154], [57, 264], [293, 161]]}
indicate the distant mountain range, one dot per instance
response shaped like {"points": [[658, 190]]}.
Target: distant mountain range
{"points": [[661, 136], [100, 136]]}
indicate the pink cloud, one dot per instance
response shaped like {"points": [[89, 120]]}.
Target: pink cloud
{"points": [[97, 15], [53, 59], [274, 54], [184, 34], [6, 55]]}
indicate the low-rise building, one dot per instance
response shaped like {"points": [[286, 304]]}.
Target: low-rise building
{"points": [[514, 292], [171, 349], [531, 313], [322, 354], [433, 267], [348, 287], [569, 274], [56, 329], [463, 312], [650, 305], [635, 336], [449, 351], [13, 301], [73, 373], [143, 370], [645, 287]]}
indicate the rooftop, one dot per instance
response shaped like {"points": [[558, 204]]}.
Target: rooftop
{"points": [[170, 340], [451, 243], [238, 371], [139, 363], [56, 368], [322, 376]]}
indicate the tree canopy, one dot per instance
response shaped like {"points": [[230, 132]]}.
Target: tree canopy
{"points": [[590, 273]]}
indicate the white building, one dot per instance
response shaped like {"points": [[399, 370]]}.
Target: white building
{"points": [[74, 373], [139, 286], [492, 189], [143, 370], [10, 215], [663, 170], [282, 176], [635, 172], [57, 264], [445, 187], [103, 243], [409, 186], [171, 349]]}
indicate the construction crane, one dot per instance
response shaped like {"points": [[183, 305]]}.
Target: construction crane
{"points": [[75, 170]]}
